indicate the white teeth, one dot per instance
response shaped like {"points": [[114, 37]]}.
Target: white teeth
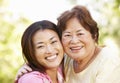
{"points": [[76, 48], [52, 57]]}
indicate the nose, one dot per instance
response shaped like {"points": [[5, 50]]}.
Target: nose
{"points": [[74, 39], [49, 49]]}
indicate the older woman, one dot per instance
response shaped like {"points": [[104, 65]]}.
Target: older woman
{"points": [[86, 61]]}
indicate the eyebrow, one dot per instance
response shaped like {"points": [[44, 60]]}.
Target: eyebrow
{"points": [[79, 30], [42, 42], [66, 32], [69, 32], [52, 37]]}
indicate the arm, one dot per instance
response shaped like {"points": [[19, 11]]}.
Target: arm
{"points": [[31, 78], [23, 70], [109, 76], [109, 71]]}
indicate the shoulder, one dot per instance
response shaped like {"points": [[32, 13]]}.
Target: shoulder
{"points": [[109, 53], [67, 59], [109, 56], [68, 62], [33, 77]]}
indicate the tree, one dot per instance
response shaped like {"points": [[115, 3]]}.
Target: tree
{"points": [[10, 48]]}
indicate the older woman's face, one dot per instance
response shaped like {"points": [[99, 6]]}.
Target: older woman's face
{"points": [[48, 48], [77, 41]]}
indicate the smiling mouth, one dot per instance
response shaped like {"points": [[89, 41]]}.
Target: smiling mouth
{"points": [[76, 48], [52, 57]]}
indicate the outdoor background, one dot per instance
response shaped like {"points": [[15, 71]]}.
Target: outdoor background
{"points": [[17, 15]]}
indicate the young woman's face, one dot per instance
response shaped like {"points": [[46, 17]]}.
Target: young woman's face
{"points": [[77, 41], [48, 48]]}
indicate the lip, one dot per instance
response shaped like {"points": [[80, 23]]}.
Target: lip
{"points": [[52, 57], [76, 48]]}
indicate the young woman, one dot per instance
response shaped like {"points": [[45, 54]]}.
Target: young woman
{"points": [[43, 51]]}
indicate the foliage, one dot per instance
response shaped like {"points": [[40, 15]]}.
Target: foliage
{"points": [[13, 27], [110, 27], [10, 49]]}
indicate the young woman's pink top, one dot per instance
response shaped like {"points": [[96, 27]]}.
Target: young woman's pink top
{"points": [[37, 77]]}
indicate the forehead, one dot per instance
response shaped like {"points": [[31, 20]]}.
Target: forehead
{"points": [[42, 35], [73, 24]]}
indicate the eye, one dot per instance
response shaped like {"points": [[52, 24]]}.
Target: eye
{"points": [[55, 41], [67, 35], [41, 46], [79, 34]]}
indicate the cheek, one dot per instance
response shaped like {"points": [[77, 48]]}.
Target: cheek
{"points": [[59, 47], [64, 45], [39, 53], [87, 38], [65, 41]]}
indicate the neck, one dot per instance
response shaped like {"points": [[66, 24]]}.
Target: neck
{"points": [[52, 73], [82, 64]]}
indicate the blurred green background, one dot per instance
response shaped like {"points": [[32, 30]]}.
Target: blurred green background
{"points": [[13, 23]]}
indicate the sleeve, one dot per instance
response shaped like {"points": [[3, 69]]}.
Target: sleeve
{"points": [[115, 76], [30, 79], [109, 76], [109, 71]]}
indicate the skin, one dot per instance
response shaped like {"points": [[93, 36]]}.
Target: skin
{"points": [[78, 44], [48, 51]]}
